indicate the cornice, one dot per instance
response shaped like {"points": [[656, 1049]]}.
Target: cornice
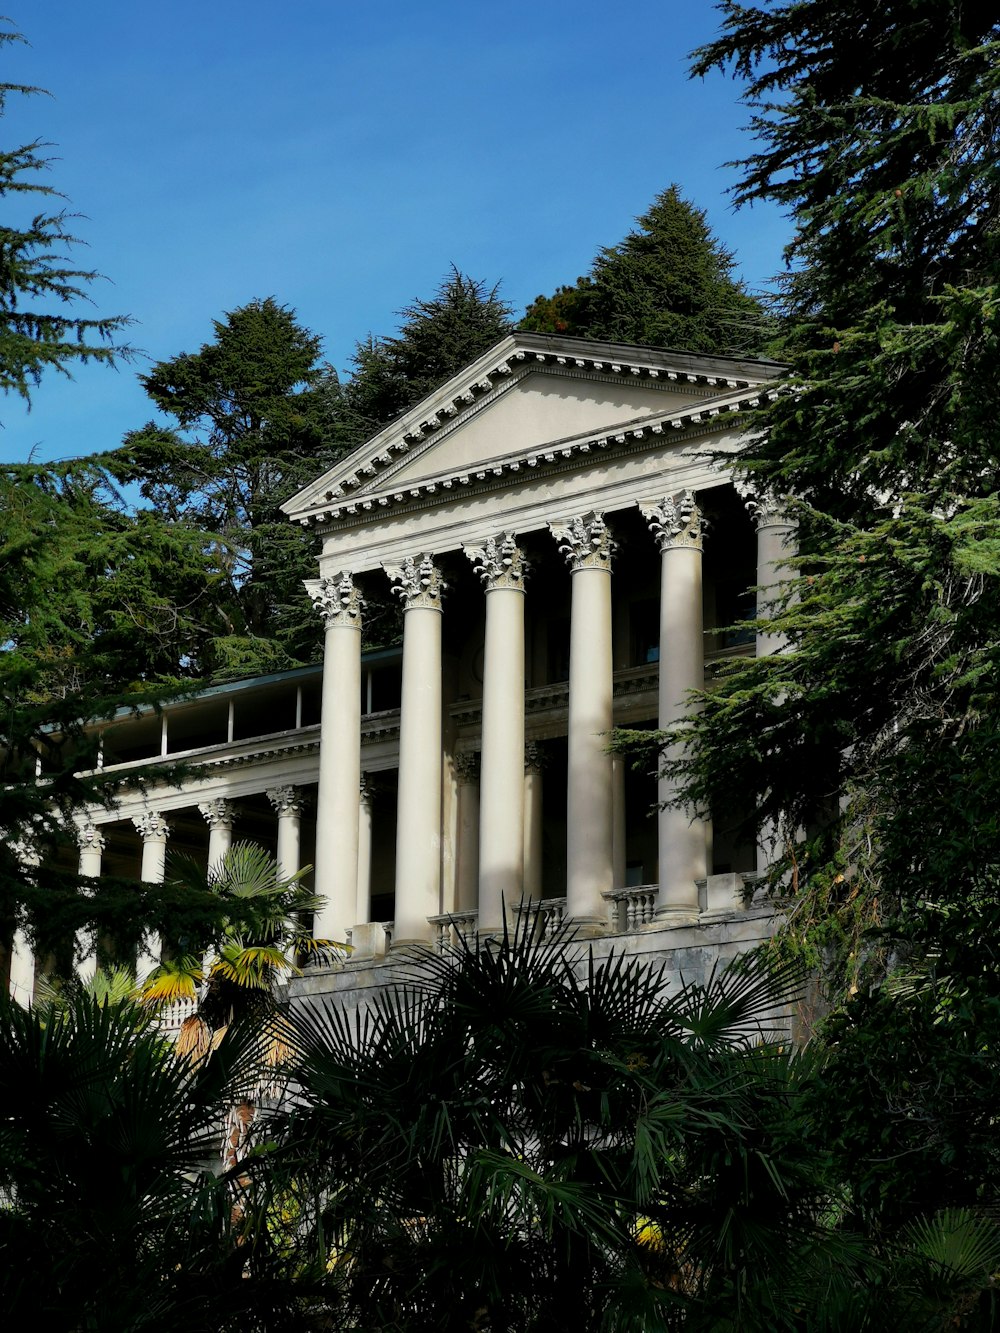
{"points": [[553, 457]]}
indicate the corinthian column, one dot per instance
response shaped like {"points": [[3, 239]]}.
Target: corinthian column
{"points": [[501, 565], [418, 582], [775, 545], [154, 830], [218, 815], [91, 843], [337, 801], [467, 851], [534, 765], [677, 526], [288, 803], [586, 543]]}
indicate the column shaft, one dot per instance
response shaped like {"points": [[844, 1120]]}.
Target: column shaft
{"points": [[500, 564], [533, 826], [467, 850], [682, 841], [155, 831], [363, 906], [91, 842], [418, 819], [22, 970], [338, 798], [587, 545]]}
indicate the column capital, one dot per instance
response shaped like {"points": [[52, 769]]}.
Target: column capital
{"points": [[765, 508], [152, 826], [417, 581], [90, 838], [535, 757], [585, 541], [367, 789], [337, 600], [467, 764], [675, 521], [218, 812], [499, 562], [286, 800]]}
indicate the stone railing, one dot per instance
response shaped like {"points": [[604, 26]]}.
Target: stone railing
{"points": [[454, 926], [631, 908], [170, 1017]]}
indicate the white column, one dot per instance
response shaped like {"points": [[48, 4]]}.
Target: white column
{"points": [[467, 850], [775, 545], [586, 543], [288, 803], [500, 564], [618, 837], [91, 843], [363, 907], [218, 814], [418, 820], [154, 831], [534, 763], [676, 524], [337, 801]]}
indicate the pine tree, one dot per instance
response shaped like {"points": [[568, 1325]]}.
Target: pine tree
{"points": [[258, 415], [878, 731], [669, 283], [38, 283], [437, 338]]}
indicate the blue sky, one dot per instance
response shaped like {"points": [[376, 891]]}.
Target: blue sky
{"points": [[340, 157]]}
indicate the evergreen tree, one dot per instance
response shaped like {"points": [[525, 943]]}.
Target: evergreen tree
{"points": [[667, 284], [257, 417], [38, 283], [877, 731], [437, 338]]}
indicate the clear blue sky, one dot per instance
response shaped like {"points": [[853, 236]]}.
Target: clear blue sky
{"points": [[341, 156]]}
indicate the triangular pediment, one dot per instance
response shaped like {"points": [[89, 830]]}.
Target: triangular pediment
{"points": [[525, 393]]}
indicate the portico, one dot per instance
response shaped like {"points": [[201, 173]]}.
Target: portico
{"points": [[536, 456]]}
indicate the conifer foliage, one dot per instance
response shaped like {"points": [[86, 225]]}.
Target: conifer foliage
{"points": [[669, 283], [39, 284]]}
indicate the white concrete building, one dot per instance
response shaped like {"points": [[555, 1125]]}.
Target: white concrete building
{"points": [[563, 542]]}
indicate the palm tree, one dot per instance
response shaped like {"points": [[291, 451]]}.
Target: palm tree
{"points": [[519, 1138], [110, 1217], [235, 976]]}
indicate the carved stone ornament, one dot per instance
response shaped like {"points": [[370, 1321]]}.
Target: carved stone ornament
{"points": [[337, 600], [152, 826], [764, 507], [367, 789], [417, 581], [218, 812], [467, 767], [286, 800], [499, 562], [585, 542], [90, 838], [535, 757], [675, 521]]}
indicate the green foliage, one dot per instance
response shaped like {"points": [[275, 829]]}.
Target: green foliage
{"points": [[437, 338], [667, 284], [257, 417], [38, 283], [112, 1217]]}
